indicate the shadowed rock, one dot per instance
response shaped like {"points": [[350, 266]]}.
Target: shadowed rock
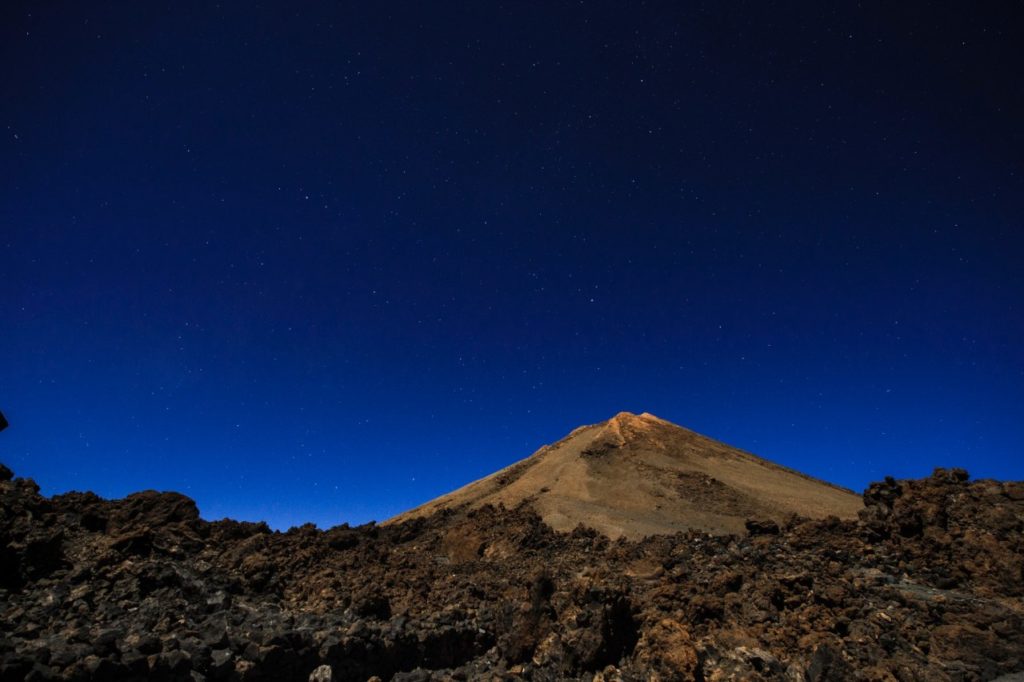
{"points": [[926, 584]]}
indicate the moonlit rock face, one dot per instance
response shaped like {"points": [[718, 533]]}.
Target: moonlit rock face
{"points": [[635, 475]]}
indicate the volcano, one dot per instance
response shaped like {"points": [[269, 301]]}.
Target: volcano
{"points": [[636, 475]]}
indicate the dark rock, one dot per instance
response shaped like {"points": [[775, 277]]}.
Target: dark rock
{"points": [[371, 605], [323, 673], [170, 664], [197, 650], [221, 663], [762, 527], [105, 640], [135, 662], [102, 668], [828, 665], [954, 475], [63, 653], [139, 543], [214, 633], [15, 668], [41, 554], [883, 494], [143, 589], [41, 673], [151, 509], [705, 608], [145, 643]]}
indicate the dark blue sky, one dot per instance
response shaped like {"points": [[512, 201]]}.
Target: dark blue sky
{"points": [[326, 261]]}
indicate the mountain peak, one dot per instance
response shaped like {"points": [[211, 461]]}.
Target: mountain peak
{"points": [[637, 474], [625, 426], [644, 418]]}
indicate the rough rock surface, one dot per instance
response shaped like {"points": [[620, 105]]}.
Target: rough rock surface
{"points": [[926, 584]]}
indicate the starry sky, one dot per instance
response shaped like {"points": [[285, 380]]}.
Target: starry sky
{"points": [[325, 261]]}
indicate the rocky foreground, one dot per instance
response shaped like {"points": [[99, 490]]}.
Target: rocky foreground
{"points": [[926, 585]]}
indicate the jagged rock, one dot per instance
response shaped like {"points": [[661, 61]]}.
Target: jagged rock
{"points": [[828, 665], [221, 663], [668, 651], [926, 584], [323, 673], [762, 527]]}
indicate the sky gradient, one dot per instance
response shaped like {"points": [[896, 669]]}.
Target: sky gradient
{"points": [[324, 264]]}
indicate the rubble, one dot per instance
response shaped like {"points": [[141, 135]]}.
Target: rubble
{"points": [[927, 584]]}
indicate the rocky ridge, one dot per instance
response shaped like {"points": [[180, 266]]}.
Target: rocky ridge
{"points": [[926, 584]]}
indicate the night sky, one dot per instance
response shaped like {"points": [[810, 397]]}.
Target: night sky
{"points": [[325, 261]]}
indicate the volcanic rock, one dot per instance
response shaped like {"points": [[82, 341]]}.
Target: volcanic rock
{"points": [[925, 583]]}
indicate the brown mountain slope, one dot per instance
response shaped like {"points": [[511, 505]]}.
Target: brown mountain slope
{"points": [[637, 475]]}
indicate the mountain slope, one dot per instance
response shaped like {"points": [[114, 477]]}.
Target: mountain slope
{"points": [[637, 475]]}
